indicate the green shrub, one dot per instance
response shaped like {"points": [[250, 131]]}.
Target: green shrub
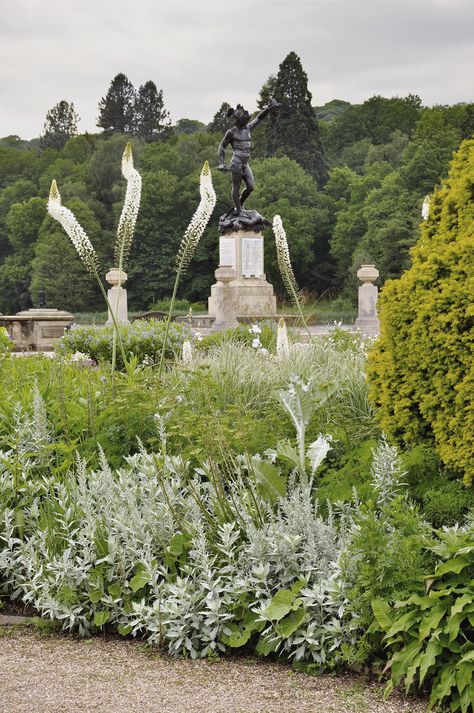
{"points": [[441, 496], [179, 306], [242, 335], [5, 343], [142, 339], [385, 559], [345, 470], [431, 634], [421, 370]]}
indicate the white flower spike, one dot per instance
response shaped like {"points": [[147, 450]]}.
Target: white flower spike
{"points": [[128, 217], [74, 230], [199, 220]]}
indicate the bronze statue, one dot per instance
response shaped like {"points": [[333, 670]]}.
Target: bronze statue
{"points": [[239, 139]]}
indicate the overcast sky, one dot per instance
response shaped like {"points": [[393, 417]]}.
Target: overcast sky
{"points": [[204, 52]]}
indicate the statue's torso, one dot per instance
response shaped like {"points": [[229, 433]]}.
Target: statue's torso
{"points": [[241, 142]]}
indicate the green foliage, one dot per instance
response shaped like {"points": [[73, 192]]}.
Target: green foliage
{"points": [[295, 132], [385, 559], [441, 496], [151, 117], [430, 635], [421, 370], [141, 339], [5, 343], [60, 125], [117, 108]]}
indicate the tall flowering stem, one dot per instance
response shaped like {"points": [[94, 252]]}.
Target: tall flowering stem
{"points": [[286, 270], [126, 226], [128, 217], [82, 244], [190, 241]]}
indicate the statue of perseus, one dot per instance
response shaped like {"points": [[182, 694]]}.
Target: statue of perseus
{"points": [[238, 137]]}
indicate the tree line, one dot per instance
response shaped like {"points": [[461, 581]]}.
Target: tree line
{"points": [[348, 181]]}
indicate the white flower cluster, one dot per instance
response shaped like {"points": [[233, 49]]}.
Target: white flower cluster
{"points": [[283, 258], [256, 343], [74, 230], [282, 343], [128, 217], [81, 358], [199, 220]]}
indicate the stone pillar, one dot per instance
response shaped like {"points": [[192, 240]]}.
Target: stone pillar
{"points": [[241, 290], [117, 296], [367, 321]]}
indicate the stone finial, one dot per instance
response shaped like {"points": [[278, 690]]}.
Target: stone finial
{"points": [[114, 276], [367, 273], [367, 321], [117, 295]]}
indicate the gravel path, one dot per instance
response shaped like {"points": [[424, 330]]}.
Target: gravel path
{"points": [[60, 674]]}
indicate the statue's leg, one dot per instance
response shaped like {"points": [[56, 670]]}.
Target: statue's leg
{"points": [[248, 179], [236, 180]]}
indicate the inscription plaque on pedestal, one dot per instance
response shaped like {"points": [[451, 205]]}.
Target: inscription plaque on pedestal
{"points": [[252, 257], [227, 252]]}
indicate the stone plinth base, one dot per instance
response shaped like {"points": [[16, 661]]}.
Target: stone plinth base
{"points": [[36, 329], [240, 299], [241, 290], [368, 326]]}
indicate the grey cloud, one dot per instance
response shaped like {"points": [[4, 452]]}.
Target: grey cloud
{"points": [[202, 53]]}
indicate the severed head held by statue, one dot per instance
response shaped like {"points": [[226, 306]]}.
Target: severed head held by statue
{"points": [[238, 137]]}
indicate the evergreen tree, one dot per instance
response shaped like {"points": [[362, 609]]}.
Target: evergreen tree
{"points": [[295, 132], [221, 121], [60, 125], [117, 108], [151, 117]]}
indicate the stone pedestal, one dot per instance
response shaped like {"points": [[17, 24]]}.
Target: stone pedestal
{"points": [[241, 290], [36, 329], [367, 321], [117, 296]]}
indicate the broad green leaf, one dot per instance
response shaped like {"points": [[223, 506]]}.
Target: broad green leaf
{"points": [[95, 596], [280, 605], [177, 544], [428, 659], [453, 625], [456, 565], [461, 603], [237, 637], [115, 590], [265, 647], [411, 670], [467, 657], [286, 450], [464, 675], [446, 682], [467, 697], [402, 623], [101, 617], [431, 621], [270, 478], [124, 629], [402, 661], [287, 626], [381, 611], [141, 578]]}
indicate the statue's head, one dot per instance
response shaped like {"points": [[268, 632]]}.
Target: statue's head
{"points": [[241, 115]]}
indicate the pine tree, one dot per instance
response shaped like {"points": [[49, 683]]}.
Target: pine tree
{"points": [[295, 131], [60, 125], [151, 116], [117, 108], [221, 121]]}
